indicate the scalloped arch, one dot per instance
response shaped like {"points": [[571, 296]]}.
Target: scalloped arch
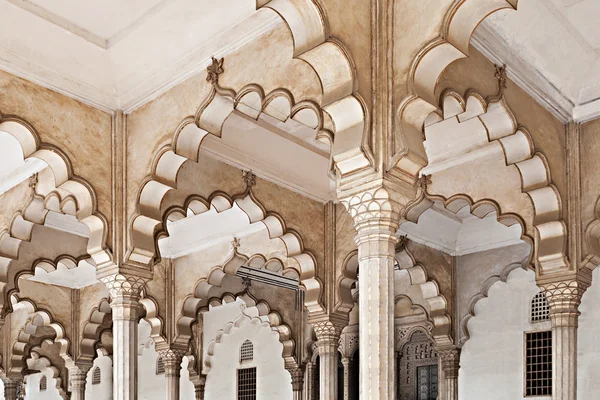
{"points": [[502, 277], [255, 211], [435, 304], [493, 122], [210, 288], [99, 322], [57, 189], [21, 347], [460, 22], [37, 362], [266, 317], [592, 236]]}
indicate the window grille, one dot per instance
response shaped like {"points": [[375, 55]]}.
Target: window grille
{"points": [[96, 376], [43, 384], [246, 351], [246, 384], [538, 360], [160, 366], [539, 308]]}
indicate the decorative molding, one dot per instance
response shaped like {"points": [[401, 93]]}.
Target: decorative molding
{"points": [[534, 83]]}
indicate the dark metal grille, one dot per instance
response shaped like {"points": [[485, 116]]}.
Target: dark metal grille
{"points": [[538, 360], [160, 366], [96, 376], [43, 383], [246, 384], [539, 308], [247, 351]]}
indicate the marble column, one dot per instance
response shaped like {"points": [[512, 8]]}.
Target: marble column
{"points": [[297, 382], [346, 364], [564, 298], [376, 217], [10, 389], [450, 363], [328, 336], [309, 382], [199, 387], [125, 292], [77, 381], [172, 362]]}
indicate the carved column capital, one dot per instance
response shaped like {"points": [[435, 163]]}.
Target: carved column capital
{"points": [[564, 298], [450, 360], [297, 378], [375, 211], [329, 332], [172, 361], [120, 285], [199, 386]]}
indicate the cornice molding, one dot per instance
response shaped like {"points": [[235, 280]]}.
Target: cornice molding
{"points": [[495, 49]]}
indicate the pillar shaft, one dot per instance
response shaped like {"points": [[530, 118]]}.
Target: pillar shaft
{"points": [[297, 382], [10, 390], [346, 364], [328, 336], [125, 295], [563, 301], [310, 382], [450, 363], [376, 215], [77, 378], [199, 387], [172, 362]]}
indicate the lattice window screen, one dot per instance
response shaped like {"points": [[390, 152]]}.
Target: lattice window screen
{"points": [[538, 360], [96, 376], [246, 384], [246, 351], [160, 366], [43, 384], [539, 308]]}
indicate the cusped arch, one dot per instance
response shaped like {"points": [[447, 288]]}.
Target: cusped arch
{"points": [[491, 123], [461, 20], [37, 362], [592, 236], [265, 317], [57, 189], [22, 346], [95, 329], [483, 293], [209, 288], [433, 302]]}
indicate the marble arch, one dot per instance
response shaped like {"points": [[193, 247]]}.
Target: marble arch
{"points": [[493, 128], [422, 291], [57, 189], [211, 290], [460, 21], [266, 317]]}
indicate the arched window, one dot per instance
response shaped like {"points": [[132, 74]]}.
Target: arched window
{"points": [[96, 376], [246, 351], [43, 384], [539, 311], [160, 366]]}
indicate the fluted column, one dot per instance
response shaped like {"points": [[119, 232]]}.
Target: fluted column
{"points": [[376, 218], [564, 298], [10, 389], [346, 364], [125, 296], [199, 387], [172, 362], [328, 336], [450, 363], [77, 381], [297, 382], [310, 382]]}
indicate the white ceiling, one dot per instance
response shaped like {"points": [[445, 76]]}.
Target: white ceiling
{"points": [[118, 54], [552, 49]]}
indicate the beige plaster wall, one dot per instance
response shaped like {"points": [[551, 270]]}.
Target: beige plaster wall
{"points": [[477, 72], [82, 132], [590, 168]]}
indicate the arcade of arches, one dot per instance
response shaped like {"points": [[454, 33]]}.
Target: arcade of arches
{"points": [[343, 203]]}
